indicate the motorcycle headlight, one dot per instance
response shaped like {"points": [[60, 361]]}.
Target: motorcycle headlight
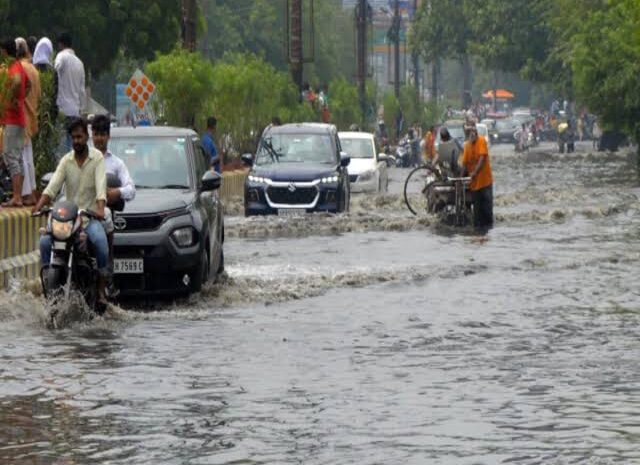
{"points": [[329, 180], [61, 229], [366, 176], [184, 237]]}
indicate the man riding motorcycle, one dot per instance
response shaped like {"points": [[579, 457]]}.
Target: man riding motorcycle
{"points": [[82, 172]]}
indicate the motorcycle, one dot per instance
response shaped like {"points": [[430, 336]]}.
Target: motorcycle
{"points": [[406, 153], [73, 265]]}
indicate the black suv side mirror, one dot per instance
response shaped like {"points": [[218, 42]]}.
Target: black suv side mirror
{"points": [[345, 159], [211, 181], [247, 159]]}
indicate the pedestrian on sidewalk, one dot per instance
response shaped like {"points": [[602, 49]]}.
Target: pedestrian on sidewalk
{"points": [[14, 121], [32, 102], [71, 85], [209, 144]]}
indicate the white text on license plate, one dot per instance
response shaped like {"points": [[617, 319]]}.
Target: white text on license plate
{"points": [[291, 211], [128, 265]]}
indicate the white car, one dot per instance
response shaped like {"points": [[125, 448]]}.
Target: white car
{"points": [[368, 168]]}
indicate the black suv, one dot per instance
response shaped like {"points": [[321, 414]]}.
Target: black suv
{"points": [[168, 239], [298, 168]]}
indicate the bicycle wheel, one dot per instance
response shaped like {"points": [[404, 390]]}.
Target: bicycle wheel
{"points": [[415, 189]]}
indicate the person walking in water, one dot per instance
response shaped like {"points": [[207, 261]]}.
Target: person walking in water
{"points": [[476, 163]]}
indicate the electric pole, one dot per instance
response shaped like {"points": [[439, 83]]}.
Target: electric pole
{"points": [[189, 19], [362, 10], [296, 58], [415, 58], [396, 49]]}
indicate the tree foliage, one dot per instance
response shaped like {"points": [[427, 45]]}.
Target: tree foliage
{"points": [[246, 94], [606, 64], [258, 27], [184, 84], [100, 28]]}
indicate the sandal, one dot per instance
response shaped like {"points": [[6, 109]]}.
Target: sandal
{"points": [[12, 204]]}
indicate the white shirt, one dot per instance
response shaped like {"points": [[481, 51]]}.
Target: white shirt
{"points": [[71, 93], [114, 165]]}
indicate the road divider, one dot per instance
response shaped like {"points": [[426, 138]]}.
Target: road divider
{"points": [[233, 184], [19, 241]]}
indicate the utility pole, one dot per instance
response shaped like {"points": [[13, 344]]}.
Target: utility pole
{"points": [[189, 20], [415, 58], [396, 48], [362, 10], [296, 58]]}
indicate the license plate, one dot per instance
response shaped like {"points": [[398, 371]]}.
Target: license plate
{"points": [[291, 212], [128, 265], [57, 245]]}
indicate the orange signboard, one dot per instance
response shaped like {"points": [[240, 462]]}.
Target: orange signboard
{"points": [[139, 89]]}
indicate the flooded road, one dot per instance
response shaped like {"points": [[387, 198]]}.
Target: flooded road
{"points": [[372, 338]]}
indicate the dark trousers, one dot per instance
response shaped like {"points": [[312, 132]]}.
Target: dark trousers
{"points": [[483, 207]]}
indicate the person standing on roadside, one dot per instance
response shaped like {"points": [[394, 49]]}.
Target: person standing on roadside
{"points": [[31, 112], [14, 120], [209, 145], [429, 148], [71, 90], [476, 163]]}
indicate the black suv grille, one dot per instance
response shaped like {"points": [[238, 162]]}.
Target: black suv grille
{"points": [[300, 196], [139, 223]]}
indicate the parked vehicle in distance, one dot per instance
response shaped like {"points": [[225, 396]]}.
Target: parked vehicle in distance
{"points": [[368, 167], [506, 129], [491, 127], [168, 239], [298, 168]]}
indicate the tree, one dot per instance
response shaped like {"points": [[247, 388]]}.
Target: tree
{"points": [[246, 94], [606, 64], [440, 31], [258, 27], [99, 28], [184, 83], [345, 104]]}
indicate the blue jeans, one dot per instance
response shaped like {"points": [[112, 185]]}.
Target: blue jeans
{"points": [[97, 237]]}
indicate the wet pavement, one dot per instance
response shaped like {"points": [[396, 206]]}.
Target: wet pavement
{"points": [[368, 338]]}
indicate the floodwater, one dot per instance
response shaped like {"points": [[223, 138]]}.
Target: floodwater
{"points": [[372, 338]]}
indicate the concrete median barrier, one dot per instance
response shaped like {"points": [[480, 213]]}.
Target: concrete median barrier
{"points": [[233, 184], [19, 240], [19, 234]]}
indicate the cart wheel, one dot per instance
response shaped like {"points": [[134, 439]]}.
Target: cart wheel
{"points": [[415, 189]]}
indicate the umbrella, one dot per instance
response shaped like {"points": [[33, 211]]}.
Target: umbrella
{"points": [[500, 93]]}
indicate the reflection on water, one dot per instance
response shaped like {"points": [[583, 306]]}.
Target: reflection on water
{"points": [[347, 344]]}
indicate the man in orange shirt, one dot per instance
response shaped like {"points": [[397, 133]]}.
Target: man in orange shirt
{"points": [[477, 165]]}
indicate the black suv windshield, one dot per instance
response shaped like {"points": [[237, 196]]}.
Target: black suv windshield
{"points": [[295, 148], [158, 162]]}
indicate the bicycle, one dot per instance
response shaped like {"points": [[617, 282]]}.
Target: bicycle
{"points": [[428, 191]]}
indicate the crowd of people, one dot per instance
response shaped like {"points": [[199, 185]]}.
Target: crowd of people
{"points": [[24, 62]]}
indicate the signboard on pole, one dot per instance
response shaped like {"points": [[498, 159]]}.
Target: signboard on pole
{"points": [[139, 89]]}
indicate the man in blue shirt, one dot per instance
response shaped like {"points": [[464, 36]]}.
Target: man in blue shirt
{"points": [[209, 144]]}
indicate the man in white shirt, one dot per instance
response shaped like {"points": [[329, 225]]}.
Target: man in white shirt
{"points": [[71, 84], [101, 131]]}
